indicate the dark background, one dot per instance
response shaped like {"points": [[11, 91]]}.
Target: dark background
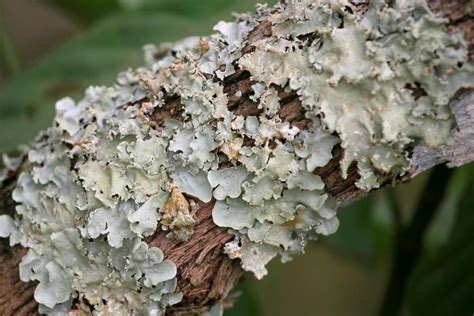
{"points": [[56, 48]]}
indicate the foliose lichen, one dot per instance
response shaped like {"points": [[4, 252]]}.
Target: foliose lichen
{"points": [[107, 175], [89, 193], [381, 80]]}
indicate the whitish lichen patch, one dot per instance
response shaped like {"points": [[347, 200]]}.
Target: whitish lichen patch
{"points": [[92, 188], [360, 73], [107, 174]]}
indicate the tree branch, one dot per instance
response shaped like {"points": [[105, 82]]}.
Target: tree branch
{"points": [[205, 273]]}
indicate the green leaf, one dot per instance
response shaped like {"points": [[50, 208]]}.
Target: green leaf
{"points": [[444, 284], [95, 57]]}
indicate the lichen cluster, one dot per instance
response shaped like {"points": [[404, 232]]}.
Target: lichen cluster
{"points": [[381, 80], [87, 197], [109, 173]]}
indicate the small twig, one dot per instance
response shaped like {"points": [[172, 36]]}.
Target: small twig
{"points": [[409, 241], [7, 49], [395, 210]]}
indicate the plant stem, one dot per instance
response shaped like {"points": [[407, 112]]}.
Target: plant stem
{"points": [[409, 241], [7, 49]]}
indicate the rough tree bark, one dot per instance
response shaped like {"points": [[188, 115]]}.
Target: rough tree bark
{"points": [[205, 273]]}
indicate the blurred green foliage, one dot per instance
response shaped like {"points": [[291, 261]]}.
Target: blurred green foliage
{"points": [[88, 10], [358, 226], [7, 51], [115, 31], [109, 45], [443, 284], [246, 302]]}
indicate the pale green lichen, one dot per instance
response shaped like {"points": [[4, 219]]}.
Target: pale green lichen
{"points": [[358, 74], [85, 205], [102, 178]]}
